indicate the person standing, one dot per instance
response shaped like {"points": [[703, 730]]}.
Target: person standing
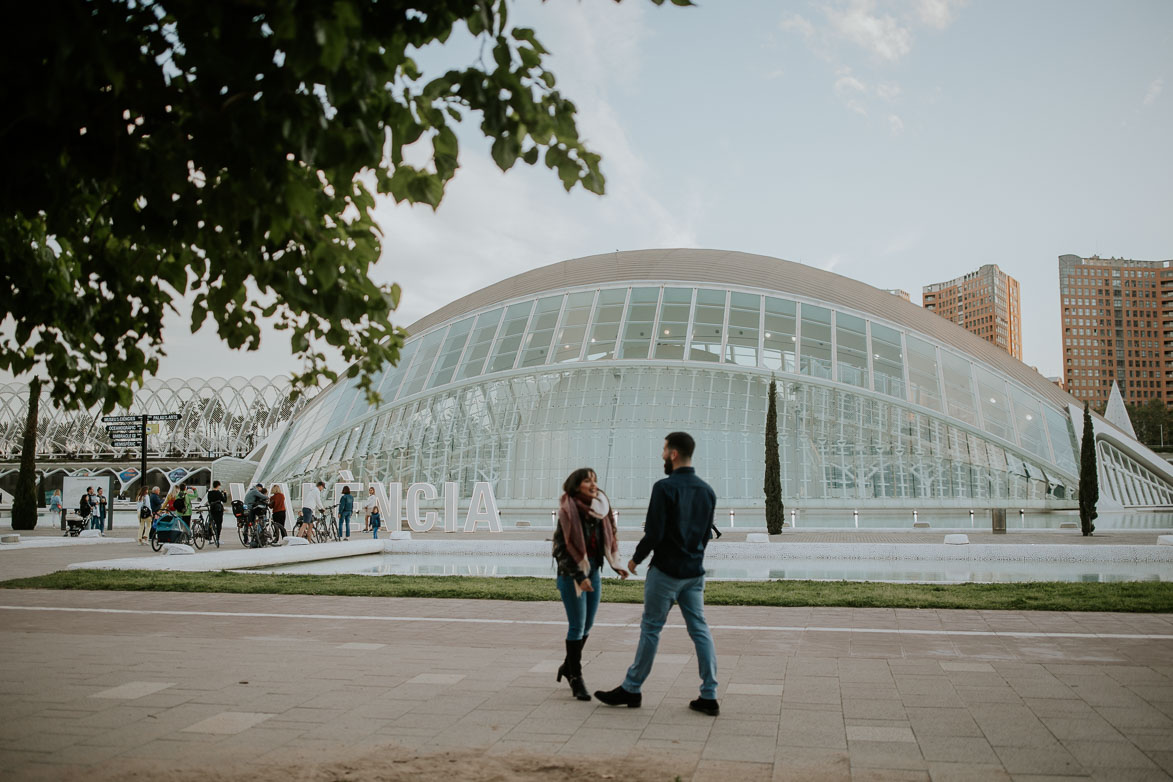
{"points": [[156, 501], [190, 498], [311, 503], [101, 510], [373, 518], [55, 504], [345, 509], [586, 535], [85, 508], [277, 505], [677, 529], [216, 499], [145, 512]]}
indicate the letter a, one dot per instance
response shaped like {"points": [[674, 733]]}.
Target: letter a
{"points": [[482, 506]]}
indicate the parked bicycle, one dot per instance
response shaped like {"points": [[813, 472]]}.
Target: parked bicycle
{"points": [[201, 528], [326, 526]]}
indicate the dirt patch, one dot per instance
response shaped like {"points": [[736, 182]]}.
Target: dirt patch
{"points": [[397, 764]]}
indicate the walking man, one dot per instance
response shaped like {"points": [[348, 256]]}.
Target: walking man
{"points": [[677, 529]]}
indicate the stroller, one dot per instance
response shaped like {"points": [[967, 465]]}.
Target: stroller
{"points": [[75, 523]]}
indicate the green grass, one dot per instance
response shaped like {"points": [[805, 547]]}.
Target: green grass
{"points": [[1129, 596]]}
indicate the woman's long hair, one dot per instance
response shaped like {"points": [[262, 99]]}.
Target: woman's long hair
{"points": [[576, 478]]}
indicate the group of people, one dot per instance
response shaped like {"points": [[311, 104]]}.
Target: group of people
{"points": [[677, 529], [313, 505], [91, 506]]}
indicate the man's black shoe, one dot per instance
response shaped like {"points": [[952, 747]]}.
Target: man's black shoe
{"points": [[620, 697], [704, 706]]}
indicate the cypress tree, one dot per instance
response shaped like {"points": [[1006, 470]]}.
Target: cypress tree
{"points": [[24, 503], [1089, 481], [775, 510]]}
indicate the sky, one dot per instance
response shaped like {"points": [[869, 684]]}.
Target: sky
{"points": [[898, 142]]}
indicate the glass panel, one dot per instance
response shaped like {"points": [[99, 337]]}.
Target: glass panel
{"points": [[995, 404], [641, 316], [512, 330], [673, 323], [390, 385], [573, 328], [541, 331], [1029, 420], [922, 373], [851, 349], [741, 346], [815, 351], [418, 374], [959, 387], [605, 331], [779, 339], [1062, 440], [478, 348], [450, 353], [888, 361], [707, 326]]}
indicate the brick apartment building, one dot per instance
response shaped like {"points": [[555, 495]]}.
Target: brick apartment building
{"points": [[986, 302], [1117, 325]]}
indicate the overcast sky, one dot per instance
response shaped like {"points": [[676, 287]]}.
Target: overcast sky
{"points": [[899, 142]]}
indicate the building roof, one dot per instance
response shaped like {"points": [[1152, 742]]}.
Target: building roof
{"points": [[726, 267]]}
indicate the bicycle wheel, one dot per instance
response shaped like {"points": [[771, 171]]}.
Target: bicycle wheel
{"points": [[197, 534], [242, 533], [156, 544], [321, 532]]}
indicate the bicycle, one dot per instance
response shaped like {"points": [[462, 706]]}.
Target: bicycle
{"points": [[326, 526], [201, 528]]}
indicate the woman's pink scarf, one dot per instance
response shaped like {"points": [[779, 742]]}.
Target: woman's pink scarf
{"points": [[569, 521]]}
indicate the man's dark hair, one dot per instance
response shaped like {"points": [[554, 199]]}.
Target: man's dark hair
{"points": [[570, 486], [215, 484], [321, 484], [682, 443]]}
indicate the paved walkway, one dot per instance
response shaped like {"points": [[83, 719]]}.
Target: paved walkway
{"points": [[106, 684]]}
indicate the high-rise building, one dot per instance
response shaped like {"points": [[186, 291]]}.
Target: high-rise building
{"points": [[986, 302], [1117, 325]]}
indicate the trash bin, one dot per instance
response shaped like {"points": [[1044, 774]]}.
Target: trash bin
{"points": [[998, 521]]}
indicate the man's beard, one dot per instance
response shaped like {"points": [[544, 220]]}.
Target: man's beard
{"points": [[667, 466]]}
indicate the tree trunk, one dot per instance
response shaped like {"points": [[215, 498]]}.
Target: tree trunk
{"points": [[24, 504]]}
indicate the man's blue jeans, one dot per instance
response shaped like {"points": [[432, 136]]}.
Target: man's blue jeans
{"points": [[660, 591], [580, 609]]}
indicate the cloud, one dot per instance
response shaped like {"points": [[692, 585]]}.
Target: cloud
{"points": [[1154, 91], [884, 36], [793, 23], [888, 91], [895, 124], [850, 89], [938, 14]]}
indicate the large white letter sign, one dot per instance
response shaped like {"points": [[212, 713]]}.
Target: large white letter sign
{"points": [[390, 510], [482, 506], [414, 493], [450, 498], [236, 490]]}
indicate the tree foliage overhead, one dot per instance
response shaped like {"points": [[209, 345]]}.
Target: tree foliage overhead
{"points": [[154, 151]]}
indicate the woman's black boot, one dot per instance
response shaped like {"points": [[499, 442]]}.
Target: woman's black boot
{"points": [[571, 668]]}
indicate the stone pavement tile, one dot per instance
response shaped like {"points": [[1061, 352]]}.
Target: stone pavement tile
{"points": [[888, 775], [228, 722], [716, 770], [1108, 755], [1163, 758], [815, 765], [131, 690], [1011, 726], [753, 704], [882, 732], [805, 667], [607, 718], [873, 709], [750, 749], [538, 726], [1150, 740], [1128, 775], [942, 722], [812, 729], [811, 690], [864, 671], [952, 666], [868, 691], [1053, 707], [751, 725], [967, 772], [1048, 687], [970, 696], [698, 732], [886, 755], [451, 703], [754, 689], [1141, 715], [958, 749], [1089, 727], [1051, 760], [595, 741]]}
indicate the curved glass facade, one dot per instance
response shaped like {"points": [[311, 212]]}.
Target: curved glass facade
{"points": [[522, 391]]}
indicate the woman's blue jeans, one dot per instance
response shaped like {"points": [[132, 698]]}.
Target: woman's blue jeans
{"points": [[660, 591], [580, 609], [344, 518]]}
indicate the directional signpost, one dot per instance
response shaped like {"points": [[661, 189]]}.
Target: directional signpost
{"points": [[130, 431]]}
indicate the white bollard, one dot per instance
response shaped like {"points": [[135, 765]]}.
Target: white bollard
{"points": [[855, 517], [732, 518]]}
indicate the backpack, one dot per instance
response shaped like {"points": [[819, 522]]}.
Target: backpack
{"points": [[180, 505]]}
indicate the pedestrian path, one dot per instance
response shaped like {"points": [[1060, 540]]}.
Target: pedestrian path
{"points": [[262, 686]]}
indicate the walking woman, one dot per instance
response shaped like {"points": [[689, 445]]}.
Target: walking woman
{"points": [[586, 535], [345, 508], [144, 514]]}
